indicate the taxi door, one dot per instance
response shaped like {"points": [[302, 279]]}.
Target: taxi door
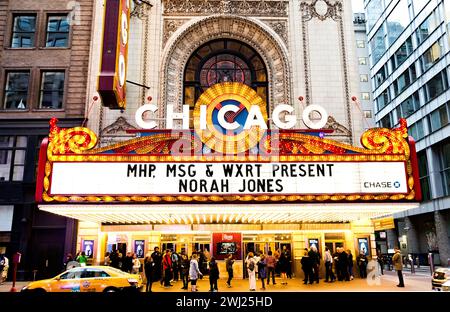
{"points": [[88, 281], [68, 282]]}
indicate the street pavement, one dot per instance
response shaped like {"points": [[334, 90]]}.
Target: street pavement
{"points": [[421, 281]]}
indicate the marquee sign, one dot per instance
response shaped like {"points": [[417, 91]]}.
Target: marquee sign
{"points": [[178, 166], [114, 57]]}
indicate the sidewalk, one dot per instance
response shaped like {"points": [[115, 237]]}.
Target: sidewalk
{"points": [[385, 283]]}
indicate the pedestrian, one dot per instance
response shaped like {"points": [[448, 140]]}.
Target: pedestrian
{"points": [[289, 258], [380, 262], [398, 266], [251, 270], [361, 261], [148, 270], [229, 265], [127, 262], [213, 274], [157, 261], [328, 259], [175, 265], [307, 268], [136, 264], [315, 262], [4, 266], [262, 270], [337, 268], [283, 265], [343, 265], [167, 268], [270, 264], [82, 259], [194, 272], [350, 263], [107, 260], [184, 269]]}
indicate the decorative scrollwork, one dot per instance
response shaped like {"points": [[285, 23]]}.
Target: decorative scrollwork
{"points": [[388, 141], [73, 140]]}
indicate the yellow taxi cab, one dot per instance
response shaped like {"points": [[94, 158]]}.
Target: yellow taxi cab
{"points": [[88, 279]]}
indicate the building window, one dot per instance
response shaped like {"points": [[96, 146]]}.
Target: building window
{"points": [[445, 172], [383, 99], [402, 53], [427, 27], [405, 80], [418, 5], [12, 157], [374, 10], [424, 176], [378, 45], [365, 96], [436, 85], [416, 130], [362, 60], [380, 76], [409, 106], [23, 33], [431, 56], [386, 121], [52, 89], [439, 118], [367, 114], [57, 31], [360, 44], [16, 90], [397, 21], [364, 78], [221, 61]]}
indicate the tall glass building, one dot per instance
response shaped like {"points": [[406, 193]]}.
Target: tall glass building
{"points": [[409, 45]]}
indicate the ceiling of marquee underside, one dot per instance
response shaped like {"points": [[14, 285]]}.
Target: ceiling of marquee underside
{"points": [[213, 214]]}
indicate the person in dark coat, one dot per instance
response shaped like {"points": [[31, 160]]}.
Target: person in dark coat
{"points": [[343, 265], [307, 268], [283, 265], [337, 267], [148, 270], [184, 269], [127, 263], [262, 270], [213, 274], [350, 263], [157, 260], [229, 265], [361, 261], [315, 262]]}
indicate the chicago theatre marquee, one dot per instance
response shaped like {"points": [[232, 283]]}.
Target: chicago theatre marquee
{"points": [[227, 126]]}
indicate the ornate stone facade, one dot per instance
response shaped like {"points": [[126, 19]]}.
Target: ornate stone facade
{"points": [[201, 30], [277, 8], [323, 10]]}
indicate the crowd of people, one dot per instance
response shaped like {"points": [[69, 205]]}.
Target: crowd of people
{"points": [[169, 266]]}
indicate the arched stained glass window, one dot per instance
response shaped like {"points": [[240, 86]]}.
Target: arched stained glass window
{"points": [[221, 61]]}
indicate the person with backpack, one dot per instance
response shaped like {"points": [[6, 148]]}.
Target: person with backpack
{"points": [[213, 274], [251, 270]]}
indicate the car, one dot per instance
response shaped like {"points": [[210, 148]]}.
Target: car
{"points": [[440, 276], [88, 279]]}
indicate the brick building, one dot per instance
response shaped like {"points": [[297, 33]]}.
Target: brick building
{"points": [[44, 59]]}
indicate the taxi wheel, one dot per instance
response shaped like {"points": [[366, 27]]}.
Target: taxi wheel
{"points": [[39, 291], [111, 289]]}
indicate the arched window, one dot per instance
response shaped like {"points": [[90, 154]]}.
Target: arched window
{"points": [[220, 61]]}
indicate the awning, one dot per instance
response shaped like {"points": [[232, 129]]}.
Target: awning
{"points": [[240, 213]]}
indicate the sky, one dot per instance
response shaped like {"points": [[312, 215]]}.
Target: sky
{"points": [[358, 6]]}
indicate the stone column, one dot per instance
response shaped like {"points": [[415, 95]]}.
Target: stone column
{"points": [[442, 237], [413, 240]]}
